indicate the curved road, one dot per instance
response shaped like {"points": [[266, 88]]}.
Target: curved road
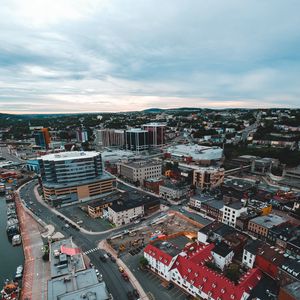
{"points": [[111, 275]]}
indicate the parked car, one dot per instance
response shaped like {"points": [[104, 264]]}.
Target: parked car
{"points": [[97, 272], [136, 293], [121, 269], [125, 276], [113, 259], [130, 295]]}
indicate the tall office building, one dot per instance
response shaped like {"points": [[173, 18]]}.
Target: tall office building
{"points": [[110, 137], [81, 135], [156, 133], [137, 139], [73, 176], [42, 137]]}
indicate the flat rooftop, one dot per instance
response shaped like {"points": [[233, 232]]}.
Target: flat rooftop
{"points": [[139, 164], [238, 184], [202, 197], [217, 228], [62, 264], [154, 124], [69, 155], [172, 246], [116, 155], [268, 221], [175, 185], [293, 289], [197, 152], [125, 200], [137, 130], [235, 205], [73, 287]]}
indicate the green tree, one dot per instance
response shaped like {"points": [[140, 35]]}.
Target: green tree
{"points": [[233, 273], [143, 262]]}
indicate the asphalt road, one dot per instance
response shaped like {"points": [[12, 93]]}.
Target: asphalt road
{"points": [[115, 284], [111, 275], [5, 154]]}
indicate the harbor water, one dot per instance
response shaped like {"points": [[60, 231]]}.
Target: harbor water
{"points": [[10, 257]]}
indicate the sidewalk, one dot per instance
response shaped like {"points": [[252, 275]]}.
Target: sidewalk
{"points": [[105, 246], [36, 271]]}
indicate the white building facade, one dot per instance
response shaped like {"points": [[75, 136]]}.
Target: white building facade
{"points": [[231, 212], [126, 216]]}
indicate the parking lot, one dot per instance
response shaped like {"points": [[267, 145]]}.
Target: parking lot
{"points": [[150, 282], [76, 214]]}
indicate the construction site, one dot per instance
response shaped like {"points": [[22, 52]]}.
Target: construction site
{"points": [[165, 227]]}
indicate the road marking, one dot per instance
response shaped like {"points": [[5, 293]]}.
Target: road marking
{"points": [[91, 251]]}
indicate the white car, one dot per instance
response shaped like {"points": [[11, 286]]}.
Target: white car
{"points": [[97, 272], [136, 222]]}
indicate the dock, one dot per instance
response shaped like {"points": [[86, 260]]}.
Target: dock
{"points": [[36, 270]]}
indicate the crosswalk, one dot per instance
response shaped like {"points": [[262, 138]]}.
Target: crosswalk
{"points": [[91, 251]]}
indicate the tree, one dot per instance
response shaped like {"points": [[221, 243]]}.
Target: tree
{"points": [[143, 262], [233, 273]]}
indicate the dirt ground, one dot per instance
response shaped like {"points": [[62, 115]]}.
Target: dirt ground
{"points": [[135, 240]]}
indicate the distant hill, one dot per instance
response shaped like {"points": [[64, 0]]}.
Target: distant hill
{"points": [[160, 110], [153, 110]]}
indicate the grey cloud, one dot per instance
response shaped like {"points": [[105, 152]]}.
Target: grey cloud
{"points": [[203, 51]]}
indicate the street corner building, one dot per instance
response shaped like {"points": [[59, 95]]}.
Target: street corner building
{"points": [[74, 176]]}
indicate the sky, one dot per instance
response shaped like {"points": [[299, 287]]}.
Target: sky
{"points": [[120, 55]]}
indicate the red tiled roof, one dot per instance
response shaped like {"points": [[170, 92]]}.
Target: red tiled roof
{"points": [[192, 268], [196, 273], [158, 254]]}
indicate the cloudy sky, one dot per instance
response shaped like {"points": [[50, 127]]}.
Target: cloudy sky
{"points": [[120, 55]]}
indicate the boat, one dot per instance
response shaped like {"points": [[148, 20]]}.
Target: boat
{"points": [[19, 272], [16, 240], [10, 291], [2, 189], [12, 227], [9, 198]]}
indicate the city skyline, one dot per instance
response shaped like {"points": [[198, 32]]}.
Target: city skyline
{"points": [[113, 56]]}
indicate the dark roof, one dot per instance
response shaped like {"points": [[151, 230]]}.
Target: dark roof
{"points": [[127, 200], [285, 231], [218, 228], [100, 202], [253, 246], [271, 254], [238, 184], [292, 267], [260, 290], [295, 241], [222, 249], [235, 205]]}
